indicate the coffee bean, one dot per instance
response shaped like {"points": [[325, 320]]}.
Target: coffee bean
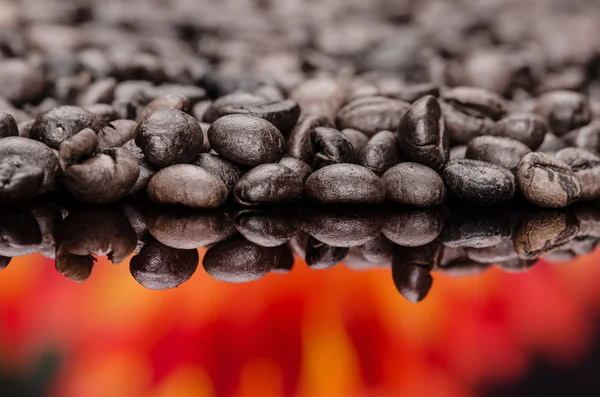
{"points": [[501, 252], [563, 111], [552, 144], [20, 233], [411, 267], [413, 228], [528, 128], [345, 184], [476, 102], [421, 135], [458, 152], [380, 153], [413, 92], [372, 114], [146, 170], [343, 229], [4, 262], [299, 141], [101, 91], [282, 114], [61, 123], [268, 228], [475, 229], [246, 140], [25, 128], [462, 127], [158, 267], [116, 134], [268, 184], [298, 166], [478, 182], [228, 172], [74, 267], [169, 137], [8, 126], [21, 80], [320, 97], [104, 112], [329, 147], [586, 137], [19, 182], [547, 182], [586, 167], [357, 139], [165, 102], [501, 151], [321, 256], [286, 261], [543, 232], [234, 99], [415, 185], [188, 185], [239, 260]]}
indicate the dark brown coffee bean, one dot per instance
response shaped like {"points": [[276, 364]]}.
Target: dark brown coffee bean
{"points": [[165, 102], [586, 167], [380, 153], [268, 228], [413, 228], [343, 229], [268, 184], [462, 127], [478, 182], [329, 147], [476, 229], [234, 99], [299, 141], [61, 123], [282, 114], [564, 111], [320, 97], [159, 267], [411, 267], [8, 126], [239, 260], [246, 140], [169, 137], [476, 102], [19, 182], [188, 185], [372, 114], [116, 134], [321, 256], [357, 139], [21, 80], [76, 268], [547, 182], [501, 151], [298, 166], [543, 232], [528, 128], [415, 185], [586, 137], [146, 170], [345, 184], [422, 136], [224, 169]]}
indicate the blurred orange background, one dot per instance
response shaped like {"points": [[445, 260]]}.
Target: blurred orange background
{"points": [[328, 333]]}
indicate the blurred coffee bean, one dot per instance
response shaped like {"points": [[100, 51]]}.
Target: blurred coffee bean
{"points": [[165, 102], [158, 267], [61, 123], [200, 109], [101, 91], [478, 182], [586, 167], [21, 80], [299, 141], [413, 92], [228, 172], [563, 111], [475, 229], [268, 184], [246, 140], [588, 216], [357, 139], [415, 185], [586, 137], [329, 147], [282, 114], [320, 97], [268, 228], [345, 184], [528, 128], [187, 185], [169, 137], [476, 102], [380, 153], [501, 252], [422, 136], [8, 126], [218, 84], [543, 232], [378, 250], [116, 134], [458, 152], [25, 128], [104, 112], [20, 234], [298, 166], [321, 256], [501, 151], [516, 265], [547, 181], [411, 267], [372, 114], [551, 144], [413, 228], [239, 260], [343, 228], [462, 127], [235, 99]]}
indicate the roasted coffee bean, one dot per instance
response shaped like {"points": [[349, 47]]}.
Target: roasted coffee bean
{"points": [[501, 151], [422, 136], [415, 185], [165, 102], [587, 137], [282, 114], [199, 110], [21, 80], [188, 185], [74, 267], [528, 128], [552, 144], [476, 102], [61, 123], [25, 128], [299, 141], [478, 182], [234, 99], [246, 140], [413, 92], [458, 152], [345, 184], [268, 228], [116, 134], [101, 91], [320, 97], [411, 267], [502, 252], [20, 233], [329, 147], [19, 182], [104, 112], [298, 166], [239, 260], [357, 139], [476, 229], [169, 137], [322, 256], [462, 127], [547, 182], [372, 114], [543, 232], [564, 110], [158, 267], [224, 169], [4, 262], [380, 153], [268, 184], [146, 170], [343, 229], [413, 228], [378, 250], [8, 126], [586, 167]]}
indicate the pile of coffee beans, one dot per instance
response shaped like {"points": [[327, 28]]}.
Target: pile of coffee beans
{"points": [[200, 103]]}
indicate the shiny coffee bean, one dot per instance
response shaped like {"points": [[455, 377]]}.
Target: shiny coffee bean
{"points": [[224, 169], [169, 137], [415, 185], [246, 140], [475, 229], [528, 128], [586, 137], [476, 102], [478, 182], [239, 260], [268, 228], [413, 228], [343, 229], [564, 110], [462, 127], [282, 114], [411, 269], [165, 102], [158, 267], [586, 167], [322, 256], [61, 123], [187, 185], [8, 126], [320, 97], [543, 232], [268, 184], [116, 134], [345, 184], [380, 153], [422, 136], [501, 151], [234, 99], [329, 147], [299, 141], [547, 182], [372, 114], [298, 166], [19, 182]]}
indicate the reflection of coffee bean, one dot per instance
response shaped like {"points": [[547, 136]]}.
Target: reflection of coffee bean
{"points": [[543, 232]]}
